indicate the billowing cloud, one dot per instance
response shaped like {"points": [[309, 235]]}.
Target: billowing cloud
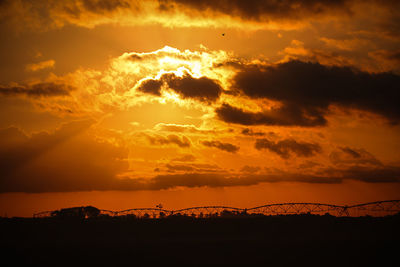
{"points": [[203, 89], [46, 89], [182, 142], [257, 14], [260, 10], [150, 86], [221, 146], [54, 14], [162, 114], [283, 116], [287, 146], [306, 91]]}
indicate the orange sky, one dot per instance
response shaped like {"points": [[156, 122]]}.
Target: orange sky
{"points": [[123, 104]]}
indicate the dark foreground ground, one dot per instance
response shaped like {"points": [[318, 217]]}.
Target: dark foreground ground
{"points": [[298, 240]]}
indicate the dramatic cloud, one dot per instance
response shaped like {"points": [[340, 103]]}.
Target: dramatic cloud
{"points": [[202, 89], [306, 90], [182, 142], [284, 116], [256, 14], [286, 146], [56, 162], [222, 146], [260, 9], [37, 90], [151, 87], [54, 14]]}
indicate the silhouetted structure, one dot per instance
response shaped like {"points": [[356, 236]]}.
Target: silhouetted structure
{"points": [[377, 209], [77, 212]]}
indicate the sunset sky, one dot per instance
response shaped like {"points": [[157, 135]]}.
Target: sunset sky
{"points": [[123, 104]]}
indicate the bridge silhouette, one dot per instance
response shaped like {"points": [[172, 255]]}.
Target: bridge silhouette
{"points": [[377, 209]]}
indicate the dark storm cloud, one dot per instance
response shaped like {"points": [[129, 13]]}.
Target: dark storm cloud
{"points": [[260, 10], [45, 15], [170, 139], [306, 90], [221, 146], [267, 10], [202, 89], [151, 87], [49, 14], [284, 116], [74, 7], [287, 146], [37, 90]]}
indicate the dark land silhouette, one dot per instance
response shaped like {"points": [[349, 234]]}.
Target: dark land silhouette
{"points": [[83, 236]]}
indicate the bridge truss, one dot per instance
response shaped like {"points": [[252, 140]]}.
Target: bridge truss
{"points": [[378, 209]]}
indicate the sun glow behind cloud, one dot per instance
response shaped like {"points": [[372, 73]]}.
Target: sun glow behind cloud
{"points": [[168, 96]]}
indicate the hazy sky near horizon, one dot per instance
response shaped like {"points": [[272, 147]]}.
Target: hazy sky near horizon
{"points": [[130, 103]]}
